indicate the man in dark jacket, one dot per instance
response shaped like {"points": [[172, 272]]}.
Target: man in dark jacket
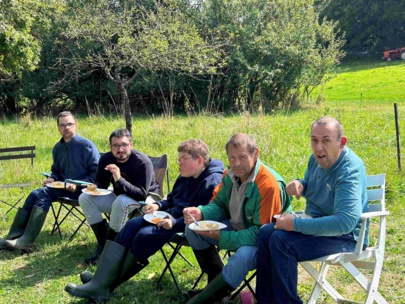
{"points": [[74, 157], [132, 176], [140, 238]]}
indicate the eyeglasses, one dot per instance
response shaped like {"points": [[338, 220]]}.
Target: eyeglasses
{"points": [[116, 147], [68, 125], [181, 161]]}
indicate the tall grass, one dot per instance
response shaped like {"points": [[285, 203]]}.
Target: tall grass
{"points": [[284, 144]]}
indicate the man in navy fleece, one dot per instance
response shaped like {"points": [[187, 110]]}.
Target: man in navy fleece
{"points": [[74, 157], [334, 187]]}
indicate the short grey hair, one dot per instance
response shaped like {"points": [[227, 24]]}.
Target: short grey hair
{"points": [[242, 139]]}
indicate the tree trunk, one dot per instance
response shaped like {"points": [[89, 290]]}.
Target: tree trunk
{"points": [[126, 107]]}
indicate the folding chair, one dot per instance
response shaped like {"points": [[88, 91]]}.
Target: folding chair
{"points": [[16, 153], [72, 207], [160, 164], [176, 243], [246, 282], [370, 259]]}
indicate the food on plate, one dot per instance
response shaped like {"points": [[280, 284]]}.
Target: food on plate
{"points": [[208, 225], [156, 220], [58, 184], [93, 189]]}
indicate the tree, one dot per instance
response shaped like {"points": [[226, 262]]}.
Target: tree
{"points": [[123, 39], [20, 44], [276, 47], [371, 25], [23, 24]]}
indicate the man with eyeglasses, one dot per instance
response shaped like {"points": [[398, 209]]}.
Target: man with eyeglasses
{"points": [[132, 176], [74, 157]]}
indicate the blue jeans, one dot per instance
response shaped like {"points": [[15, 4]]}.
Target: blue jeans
{"points": [[278, 255], [44, 197], [142, 238], [239, 264]]}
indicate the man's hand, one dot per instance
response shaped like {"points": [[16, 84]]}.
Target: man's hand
{"points": [[295, 188], [165, 224], [192, 211], [213, 234], [285, 222], [149, 208], [71, 188], [116, 173], [47, 181]]}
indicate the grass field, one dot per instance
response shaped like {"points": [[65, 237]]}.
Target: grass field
{"points": [[284, 144]]}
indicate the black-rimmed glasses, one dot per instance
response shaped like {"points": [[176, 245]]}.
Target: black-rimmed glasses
{"points": [[116, 147], [68, 125]]}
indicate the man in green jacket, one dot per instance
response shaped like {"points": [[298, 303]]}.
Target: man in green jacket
{"points": [[249, 195]]}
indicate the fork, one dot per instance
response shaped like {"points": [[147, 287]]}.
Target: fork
{"points": [[195, 222]]}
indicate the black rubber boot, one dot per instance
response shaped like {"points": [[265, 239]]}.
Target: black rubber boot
{"points": [[214, 291], [130, 267], [32, 230], [210, 262], [108, 269], [17, 227], [111, 234], [100, 231]]}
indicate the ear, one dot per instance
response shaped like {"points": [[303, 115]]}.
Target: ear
{"points": [[343, 140], [257, 153], [200, 160]]}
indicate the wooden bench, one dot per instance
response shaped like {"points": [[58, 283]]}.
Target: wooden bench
{"points": [[27, 152]]}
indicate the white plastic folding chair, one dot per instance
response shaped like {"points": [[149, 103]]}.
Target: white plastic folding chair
{"points": [[369, 259]]}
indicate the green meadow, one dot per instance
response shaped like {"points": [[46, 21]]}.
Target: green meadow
{"points": [[361, 95]]}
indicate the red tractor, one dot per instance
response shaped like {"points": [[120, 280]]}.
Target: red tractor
{"points": [[394, 54]]}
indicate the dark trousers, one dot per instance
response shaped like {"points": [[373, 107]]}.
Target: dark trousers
{"points": [[142, 238], [44, 197], [278, 255]]}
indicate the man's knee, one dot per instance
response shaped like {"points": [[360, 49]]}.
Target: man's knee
{"points": [[122, 202], [265, 234]]}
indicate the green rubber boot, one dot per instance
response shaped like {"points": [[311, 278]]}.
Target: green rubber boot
{"points": [[108, 269], [215, 291], [17, 227], [32, 230]]}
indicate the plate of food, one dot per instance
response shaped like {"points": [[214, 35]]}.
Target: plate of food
{"points": [[207, 226], [156, 216], [58, 185], [93, 190]]}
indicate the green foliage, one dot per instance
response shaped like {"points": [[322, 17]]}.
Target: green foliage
{"points": [[371, 25], [275, 48], [20, 25], [123, 42]]}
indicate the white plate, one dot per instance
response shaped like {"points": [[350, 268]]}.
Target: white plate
{"points": [[149, 217], [296, 214], [97, 192], [58, 185], [206, 226], [301, 214]]}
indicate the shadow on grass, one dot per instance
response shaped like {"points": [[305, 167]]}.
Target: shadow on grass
{"points": [[55, 262]]}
